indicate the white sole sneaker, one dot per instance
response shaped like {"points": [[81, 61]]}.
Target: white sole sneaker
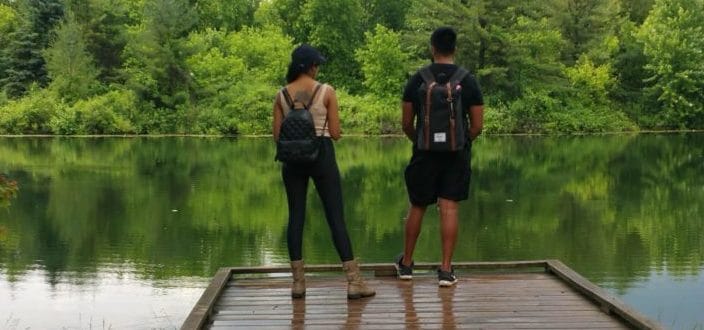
{"points": [[445, 283], [402, 277]]}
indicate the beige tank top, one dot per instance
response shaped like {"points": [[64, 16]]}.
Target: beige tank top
{"points": [[317, 109]]}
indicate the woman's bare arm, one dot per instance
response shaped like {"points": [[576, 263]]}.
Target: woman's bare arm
{"points": [[277, 116], [333, 114]]}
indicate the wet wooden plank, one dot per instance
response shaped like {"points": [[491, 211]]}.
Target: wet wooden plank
{"points": [[505, 300], [201, 311], [566, 325], [528, 295], [382, 269], [423, 315], [429, 308], [575, 322]]}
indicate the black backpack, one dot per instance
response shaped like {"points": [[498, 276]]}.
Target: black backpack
{"points": [[298, 141], [441, 123]]}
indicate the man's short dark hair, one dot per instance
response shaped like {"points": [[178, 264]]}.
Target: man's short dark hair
{"points": [[444, 40]]}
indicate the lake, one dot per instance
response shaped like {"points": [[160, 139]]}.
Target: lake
{"points": [[126, 232]]}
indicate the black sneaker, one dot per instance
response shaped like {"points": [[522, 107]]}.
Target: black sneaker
{"points": [[446, 278], [404, 272]]}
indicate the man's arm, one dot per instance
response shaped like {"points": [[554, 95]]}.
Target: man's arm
{"points": [[476, 121], [407, 120]]}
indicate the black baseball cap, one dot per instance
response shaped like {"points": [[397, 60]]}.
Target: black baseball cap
{"points": [[307, 55]]}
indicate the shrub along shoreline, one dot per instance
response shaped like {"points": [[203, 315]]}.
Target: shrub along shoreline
{"points": [[212, 67]]}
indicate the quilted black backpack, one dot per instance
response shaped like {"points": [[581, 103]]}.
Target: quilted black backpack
{"points": [[298, 141], [441, 124]]}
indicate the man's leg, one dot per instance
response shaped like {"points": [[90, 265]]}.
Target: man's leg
{"points": [[448, 230], [414, 220]]}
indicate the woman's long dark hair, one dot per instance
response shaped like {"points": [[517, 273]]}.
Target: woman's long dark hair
{"points": [[295, 70]]}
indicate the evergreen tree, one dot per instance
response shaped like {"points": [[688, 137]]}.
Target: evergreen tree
{"points": [[586, 24], [69, 65], [155, 53], [426, 15], [391, 14], [22, 57], [8, 24], [637, 10], [103, 23], [229, 15]]}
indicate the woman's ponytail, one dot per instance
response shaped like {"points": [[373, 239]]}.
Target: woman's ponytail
{"points": [[295, 70]]}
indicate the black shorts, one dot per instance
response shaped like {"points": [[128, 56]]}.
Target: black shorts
{"points": [[433, 175]]}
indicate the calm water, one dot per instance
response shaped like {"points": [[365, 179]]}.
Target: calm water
{"points": [[125, 233]]}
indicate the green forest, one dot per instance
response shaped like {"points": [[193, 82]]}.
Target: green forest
{"points": [[213, 66]]}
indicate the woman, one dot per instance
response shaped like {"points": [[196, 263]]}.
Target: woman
{"points": [[301, 87]]}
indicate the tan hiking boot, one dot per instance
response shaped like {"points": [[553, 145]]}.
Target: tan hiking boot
{"points": [[356, 288], [298, 288]]}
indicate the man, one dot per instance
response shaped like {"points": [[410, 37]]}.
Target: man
{"points": [[439, 173]]}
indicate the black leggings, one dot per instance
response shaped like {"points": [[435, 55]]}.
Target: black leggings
{"points": [[326, 178]]}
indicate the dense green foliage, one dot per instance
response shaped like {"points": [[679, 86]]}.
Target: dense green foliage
{"points": [[213, 66]]}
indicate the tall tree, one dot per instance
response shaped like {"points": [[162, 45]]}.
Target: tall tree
{"points": [[155, 54], [391, 14], [8, 24], [426, 15], [337, 36], [586, 24], [533, 55], [287, 14], [104, 23], [637, 10], [229, 15], [383, 62], [519, 47], [629, 66], [673, 40], [69, 65], [23, 59]]}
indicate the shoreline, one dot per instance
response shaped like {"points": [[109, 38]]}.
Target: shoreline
{"points": [[355, 135]]}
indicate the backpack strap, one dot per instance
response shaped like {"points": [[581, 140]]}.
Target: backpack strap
{"points": [[427, 75], [458, 75], [290, 102], [315, 92], [312, 99], [287, 98], [429, 80]]}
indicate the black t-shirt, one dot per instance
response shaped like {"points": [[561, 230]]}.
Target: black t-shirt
{"points": [[471, 94]]}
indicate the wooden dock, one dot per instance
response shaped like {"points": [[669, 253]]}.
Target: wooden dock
{"points": [[543, 294]]}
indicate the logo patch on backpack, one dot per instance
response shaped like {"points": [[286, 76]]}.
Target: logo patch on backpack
{"points": [[439, 138], [441, 124]]}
